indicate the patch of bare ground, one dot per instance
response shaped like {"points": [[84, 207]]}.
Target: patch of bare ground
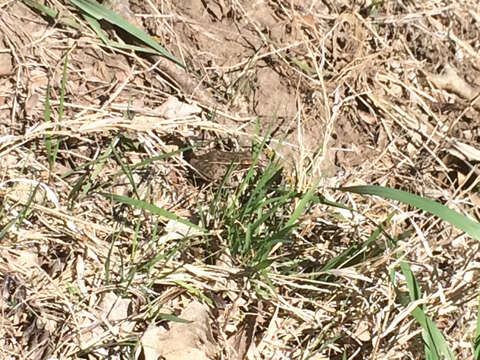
{"points": [[353, 92]]}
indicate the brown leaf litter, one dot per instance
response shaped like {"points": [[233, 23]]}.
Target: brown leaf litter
{"points": [[384, 94], [183, 341]]}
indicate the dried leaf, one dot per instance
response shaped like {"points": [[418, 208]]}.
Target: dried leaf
{"points": [[173, 108], [184, 341]]}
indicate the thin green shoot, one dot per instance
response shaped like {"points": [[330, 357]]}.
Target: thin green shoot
{"points": [[47, 113], [62, 89], [22, 213], [140, 204], [476, 340], [353, 255], [107, 263], [194, 291], [53, 14], [99, 164], [51, 146], [127, 171]]}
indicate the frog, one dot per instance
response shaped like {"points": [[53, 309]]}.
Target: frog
{"points": [[213, 165]]}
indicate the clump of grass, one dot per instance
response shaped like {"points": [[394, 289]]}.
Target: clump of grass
{"points": [[257, 216]]}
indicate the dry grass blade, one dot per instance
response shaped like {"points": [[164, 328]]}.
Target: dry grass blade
{"points": [[108, 230]]}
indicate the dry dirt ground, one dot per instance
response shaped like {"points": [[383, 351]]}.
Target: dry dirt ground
{"points": [[351, 92]]}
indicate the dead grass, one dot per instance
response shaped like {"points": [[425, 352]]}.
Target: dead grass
{"points": [[385, 95]]}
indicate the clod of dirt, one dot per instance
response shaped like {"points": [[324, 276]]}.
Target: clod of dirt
{"points": [[184, 341], [451, 81]]}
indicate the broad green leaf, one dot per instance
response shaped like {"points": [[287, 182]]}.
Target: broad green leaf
{"points": [[460, 221], [100, 12]]}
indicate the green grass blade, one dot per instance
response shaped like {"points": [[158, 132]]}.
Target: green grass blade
{"points": [[52, 14], [476, 341], [265, 245], [276, 202], [7, 227], [158, 157], [140, 204], [460, 221], [47, 114], [22, 214], [173, 318], [52, 148], [47, 110], [412, 285], [118, 45], [127, 172], [351, 256], [160, 256], [131, 167], [99, 163], [302, 204], [107, 264], [60, 109], [194, 291], [302, 65], [62, 89], [100, 12], [436, 347], [95, 25], [261, 187]]}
